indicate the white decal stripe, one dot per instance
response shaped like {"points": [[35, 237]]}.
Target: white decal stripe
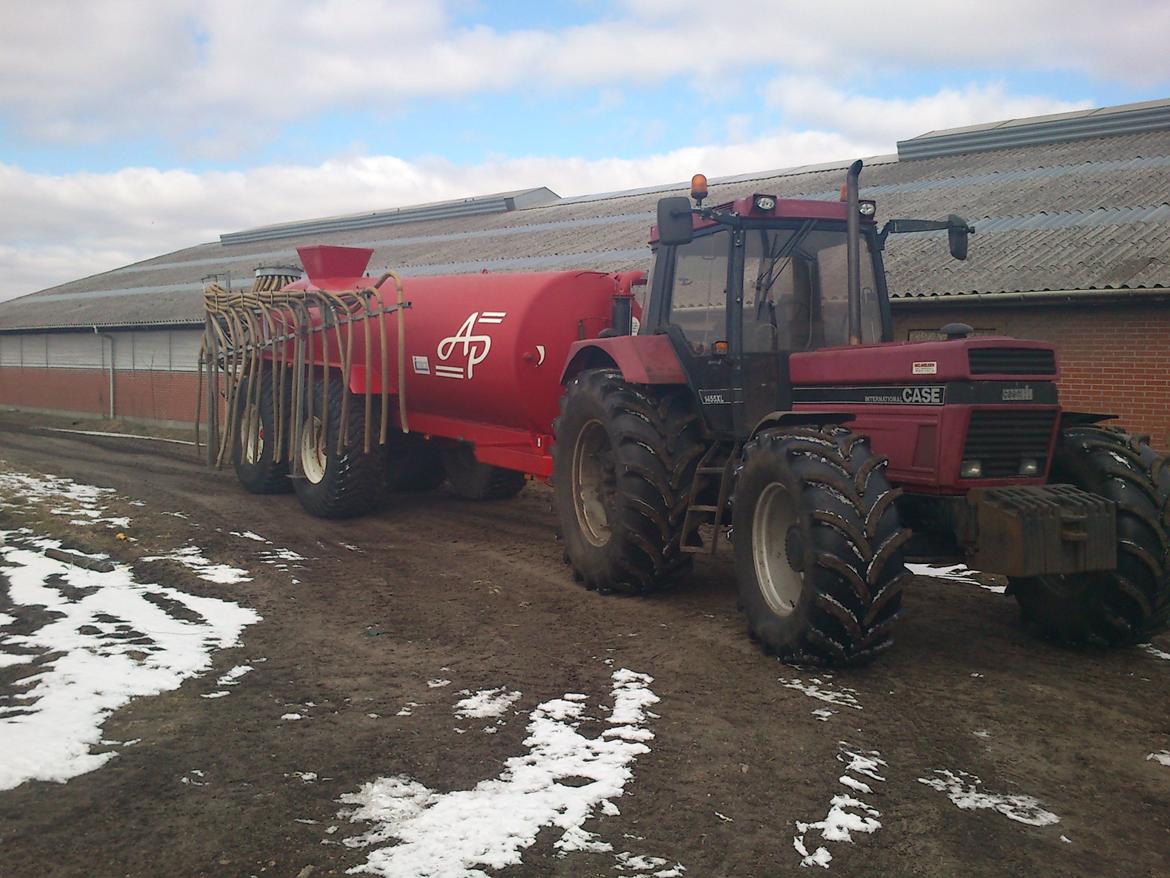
{"points": [[491, 319], [494, 314]]}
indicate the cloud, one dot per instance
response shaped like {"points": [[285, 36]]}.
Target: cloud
{"points": [[195, 65], [811, 101], [61, 227]]}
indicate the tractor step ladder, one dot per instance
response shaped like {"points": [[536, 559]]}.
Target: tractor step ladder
{"points": [[712, 475]]}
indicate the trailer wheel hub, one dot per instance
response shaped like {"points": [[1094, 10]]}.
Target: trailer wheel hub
{"points": [[594, 482], [776, 549], [313, 453]]}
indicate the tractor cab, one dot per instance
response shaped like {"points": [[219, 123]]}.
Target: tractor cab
{"points": [[740, 287]]}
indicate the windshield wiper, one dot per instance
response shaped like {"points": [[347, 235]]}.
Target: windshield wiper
{"points": [[771, 271]]}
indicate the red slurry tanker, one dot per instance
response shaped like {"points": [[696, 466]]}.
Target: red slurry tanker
{"points": [[759, 393]]}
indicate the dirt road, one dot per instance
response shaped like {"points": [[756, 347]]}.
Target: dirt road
{"points": [[968, 749]]}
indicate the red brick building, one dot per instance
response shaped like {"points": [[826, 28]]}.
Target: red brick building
{"points": [[1072, 245]]}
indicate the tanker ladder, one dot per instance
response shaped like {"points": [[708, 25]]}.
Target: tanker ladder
{"points": [[713, 476]]}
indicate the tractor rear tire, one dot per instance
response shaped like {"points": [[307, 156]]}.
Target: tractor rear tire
{"points": [[1115, 607], [333, 484], [254, 449], [623, 463], [818, 545], [473, 480], [412, 464]]}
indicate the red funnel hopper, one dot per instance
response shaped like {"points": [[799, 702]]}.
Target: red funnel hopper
{"points": [[327, 260]]}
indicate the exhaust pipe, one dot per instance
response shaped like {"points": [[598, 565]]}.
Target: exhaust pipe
{"points": [[853, 251]]}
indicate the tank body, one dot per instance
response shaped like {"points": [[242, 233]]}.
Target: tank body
{"points": [[486, 348]]}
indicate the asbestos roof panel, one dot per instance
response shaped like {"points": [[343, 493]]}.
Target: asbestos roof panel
{"points": [[1085, 214]]}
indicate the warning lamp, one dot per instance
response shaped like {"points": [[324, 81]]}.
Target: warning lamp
{"points": [[719, 349], [844, 192], [699, 188]]}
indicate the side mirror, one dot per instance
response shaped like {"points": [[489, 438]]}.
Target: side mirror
{"points": [[674, 221], [957, 232]]}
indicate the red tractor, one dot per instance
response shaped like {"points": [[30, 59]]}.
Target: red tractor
{"points": [[761, 396]]}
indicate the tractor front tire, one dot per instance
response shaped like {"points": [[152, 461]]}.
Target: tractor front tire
{"points": [[332, 483], [473, 480], [1112, 607], [254, 449], [623, 462], [818, 545]]}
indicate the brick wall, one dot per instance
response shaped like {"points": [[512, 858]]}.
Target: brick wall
{"points": [[140, 394], [1114, 358]]}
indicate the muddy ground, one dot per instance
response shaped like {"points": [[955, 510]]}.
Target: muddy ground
{"points": [[438, 588]]}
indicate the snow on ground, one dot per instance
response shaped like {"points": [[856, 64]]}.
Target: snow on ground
{"points": [[955, 573], [963, 789], [563, 779], [109, 638], [1155, 652], [193, 558], [485, 703], [1162, 757], [231, 678], [118, 435], [81, 504], [824, 689], [847, 813], [249, 535]]}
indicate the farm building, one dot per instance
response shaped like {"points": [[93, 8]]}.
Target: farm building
{"points": [[1072, 246]]}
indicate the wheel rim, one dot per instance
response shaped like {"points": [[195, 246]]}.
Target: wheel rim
{"points": [[780, 583], [313, 456], [594, 483], [253, 440]]}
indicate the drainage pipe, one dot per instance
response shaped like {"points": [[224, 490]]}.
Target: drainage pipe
{"points": [[110, 339]]}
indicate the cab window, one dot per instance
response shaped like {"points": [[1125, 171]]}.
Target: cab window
{"points": [[698, 304]]}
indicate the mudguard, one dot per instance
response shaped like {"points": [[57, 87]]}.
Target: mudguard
{"points": [[642, 359]]}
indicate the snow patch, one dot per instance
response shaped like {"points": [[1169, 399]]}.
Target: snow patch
{"points": [[192, 557], [955, 573], [81, 504], [438, 684], [1162, 757], [823, 714], [110, 639], [963, 789], [248, 535], [847, 813], [1154, 651], [823, 689], [485, 703], [291, 716], [460, 833]]}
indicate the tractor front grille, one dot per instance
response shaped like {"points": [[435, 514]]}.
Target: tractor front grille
{"points": [[999, 440], [1011, 361]]}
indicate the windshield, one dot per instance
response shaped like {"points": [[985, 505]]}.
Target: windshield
{"points": [[796, 294]]}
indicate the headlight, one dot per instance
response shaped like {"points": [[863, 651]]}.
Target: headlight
{"points": [[971, 469], [1029, 467], [764, 202], [867, 208]]}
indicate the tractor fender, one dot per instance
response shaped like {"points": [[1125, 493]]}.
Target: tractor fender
{"points": [[800, 419], [1081, 419], [642, 359]]}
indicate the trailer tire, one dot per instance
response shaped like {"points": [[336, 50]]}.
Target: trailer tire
{"points": [[412, 464], [254, 451], [1116, 607], [473, 480], [623, 462], [818, 545], [333, 484]]}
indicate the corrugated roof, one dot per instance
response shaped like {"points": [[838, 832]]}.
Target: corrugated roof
{"points": [[1087, 214]]}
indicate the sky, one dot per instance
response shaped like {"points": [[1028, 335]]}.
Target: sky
{"points": [[130, 129]]}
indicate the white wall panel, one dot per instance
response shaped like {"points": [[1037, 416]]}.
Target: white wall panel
{"points": [[74, 350]]}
